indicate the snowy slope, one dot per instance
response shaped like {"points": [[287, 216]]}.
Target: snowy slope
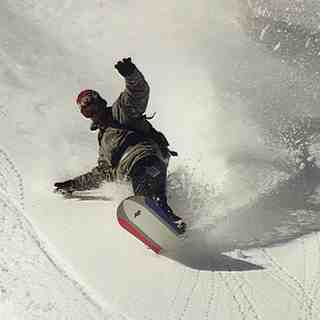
{"points": [[224, 84]]}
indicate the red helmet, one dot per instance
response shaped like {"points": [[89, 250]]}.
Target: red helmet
{"points": [[87, 96], [89, 101]]}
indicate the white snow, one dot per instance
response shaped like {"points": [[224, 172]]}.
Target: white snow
{"points": [[222, 100], [277, 46], [263, 32]]}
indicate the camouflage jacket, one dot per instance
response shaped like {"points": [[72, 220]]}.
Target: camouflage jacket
{"points": [[120, 147]]}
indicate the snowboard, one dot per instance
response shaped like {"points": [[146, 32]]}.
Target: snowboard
{"points": [[146, 220]]}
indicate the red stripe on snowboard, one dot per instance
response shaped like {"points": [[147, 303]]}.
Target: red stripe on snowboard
{"points": [[153, 246]]}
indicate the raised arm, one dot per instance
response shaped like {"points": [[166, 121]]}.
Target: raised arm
{"points": [[132, 102]]}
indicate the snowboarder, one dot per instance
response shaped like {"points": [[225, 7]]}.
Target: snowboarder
{"points": [[129, 147]]}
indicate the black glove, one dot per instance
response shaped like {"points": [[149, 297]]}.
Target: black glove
{"points": [[125, 67], [94, 126], [64, 187]]}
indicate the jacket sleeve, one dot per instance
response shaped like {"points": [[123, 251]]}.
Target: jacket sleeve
{"points": [[94, 178], [132, 102]]}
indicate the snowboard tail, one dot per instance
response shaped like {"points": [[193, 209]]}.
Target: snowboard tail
{"points": [[139, 234], [145, 220]]}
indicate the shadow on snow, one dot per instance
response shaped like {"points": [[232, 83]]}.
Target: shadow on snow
{"points": [[287, 212]]}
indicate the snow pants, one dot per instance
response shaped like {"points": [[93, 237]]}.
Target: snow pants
{"points": [[149, 179]]}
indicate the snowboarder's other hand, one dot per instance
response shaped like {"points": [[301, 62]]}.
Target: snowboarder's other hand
{"points": [[66, 186], [125, 67]]}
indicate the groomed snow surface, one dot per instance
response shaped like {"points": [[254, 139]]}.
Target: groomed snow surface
{"points": [[231, 82]]}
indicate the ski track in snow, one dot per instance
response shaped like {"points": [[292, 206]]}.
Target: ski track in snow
{"points": [[10, 178], [188, 301], [175, 296], [315, 283], [31, 279], [296, 288], [211, 296], [235, 297]]}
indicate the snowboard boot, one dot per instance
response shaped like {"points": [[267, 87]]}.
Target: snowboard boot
{"points": [[180, 224]]}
